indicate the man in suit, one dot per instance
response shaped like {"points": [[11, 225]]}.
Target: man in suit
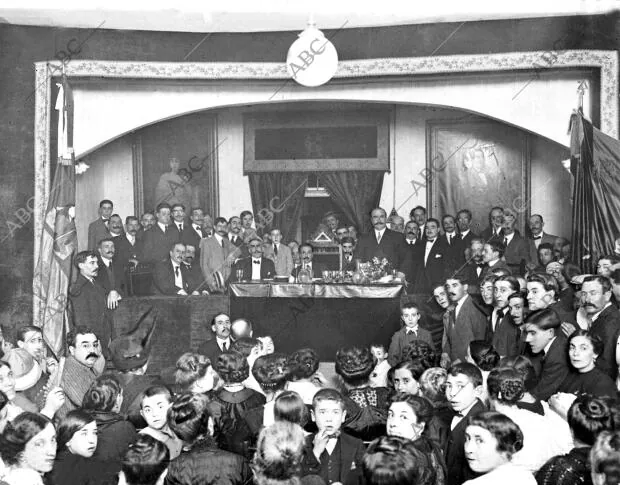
{"points": [[605, 317], [256, 267], [127, 246], [348, 248], [465, 322], [88, 299], [413, 246], [455, 248], [502, 329], [474, 270], [194, 273], [463, 392], [147, 221], [306, 252], [493, 256], [397, 224], [432, 259], [381, 242], [194, 232], [280, 254], [234, 231], [463, 222], [496, 221], [109, 274], [543, 291], [517, 253], [170, 277], [178, 219], [418, 215], [538, 237], [213, 348], [99, 229], [341, 231], [543, 334], [159, 239], [217, 255]]}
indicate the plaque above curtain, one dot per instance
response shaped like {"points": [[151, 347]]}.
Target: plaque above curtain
{"points": [[315, 141]]}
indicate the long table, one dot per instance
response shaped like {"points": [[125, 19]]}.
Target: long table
{"points": [[317, 315]]}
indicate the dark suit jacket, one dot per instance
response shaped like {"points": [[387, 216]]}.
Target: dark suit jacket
{"points": [[392, 247], [473, 278], [456, 463], [517, 254], [546, 238], [555, 368], [317, 270], [89, 307], [163, 279], [124, 251], [351, 454], [506, 336], [195, 279], [467, 239], [97, 230], [411, 265], [488, 234], [211, 349], [607, 328], [436, 269], [348, 266], [113, 281], [157, 244], [400, 340], [238, 241], [455, 251], [190, 236], [500, 264], [267, 269], [470, 324]]}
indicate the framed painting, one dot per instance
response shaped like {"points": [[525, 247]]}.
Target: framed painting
{"points": [[476, 165]]}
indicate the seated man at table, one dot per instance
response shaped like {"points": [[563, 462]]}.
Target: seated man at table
{"points": [[307, 254], [170, 277], [194, 274], [254, 267]]}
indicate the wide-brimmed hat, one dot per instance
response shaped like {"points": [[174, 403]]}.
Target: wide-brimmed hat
{"points": [[131, 350], [26, 369]]}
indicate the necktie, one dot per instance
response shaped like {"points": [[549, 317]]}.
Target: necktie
{"points": [[498, 319], [176, 271], [410, 330], [224, 347], [165, 229], [410, 243], [107, 223], [275, 249], [505, 241], [222, 243], [449, 238], [378, 238], [181, 227], [234, 239]]}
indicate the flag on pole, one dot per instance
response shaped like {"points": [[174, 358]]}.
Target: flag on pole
{"points": [[595, 166], [59, 238]]}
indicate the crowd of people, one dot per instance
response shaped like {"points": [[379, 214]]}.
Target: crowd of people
{"points": [[504, 369]]}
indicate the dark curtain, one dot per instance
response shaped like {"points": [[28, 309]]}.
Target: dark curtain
{"points": [[277, 199], [356, 193], [595, 165]]}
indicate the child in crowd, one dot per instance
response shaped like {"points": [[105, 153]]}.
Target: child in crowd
{"points": [[463, 390], [378, 378], [410, 316], [154, 409], [329, 452]]}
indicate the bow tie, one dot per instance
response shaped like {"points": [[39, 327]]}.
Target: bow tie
{"points": [[411, 330], [537, 237], [256, 261]]}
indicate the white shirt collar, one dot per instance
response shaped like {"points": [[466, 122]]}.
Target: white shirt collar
{"points": [[451, 234], [465, 233], [459, 304], [431, 242], [493, 263], [130, 238], [509, 237], [161, 226], [106, 261], [596, 315], [218, 237], [381, 232], [548, 346]]}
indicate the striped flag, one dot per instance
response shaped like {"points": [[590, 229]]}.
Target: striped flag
{"points": [[52, 274]]}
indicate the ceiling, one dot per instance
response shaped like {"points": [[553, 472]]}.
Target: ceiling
{"points": [[278, 15]]}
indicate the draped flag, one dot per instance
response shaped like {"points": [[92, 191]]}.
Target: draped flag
{"points": [[595, 165], [59, 238]]}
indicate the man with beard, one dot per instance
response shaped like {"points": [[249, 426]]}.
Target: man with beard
{"points": [[348, 247], [463, 222], [147, 221], [605, 317], [234, 231], [465, 322], [109, 275], [220, 325], [194, 274], [475, 265], [381, 242], [217, 255], [88, 299], [128, 246], [79, 371]]}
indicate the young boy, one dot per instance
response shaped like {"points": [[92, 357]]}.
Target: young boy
{"points": [[330, 453], [378, 378], [410, 316], [463, 390], [154, 409]]}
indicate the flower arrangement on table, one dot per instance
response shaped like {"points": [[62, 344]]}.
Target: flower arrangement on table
{"points": [[373, 270]]}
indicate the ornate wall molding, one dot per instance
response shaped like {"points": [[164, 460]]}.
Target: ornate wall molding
{"points": [[605, 61]]}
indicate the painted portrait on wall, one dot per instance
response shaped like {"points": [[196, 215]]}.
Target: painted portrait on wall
{"points": [[476, 165]]}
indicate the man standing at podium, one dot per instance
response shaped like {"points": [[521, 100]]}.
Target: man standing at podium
{"points": [[382, 242]]}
